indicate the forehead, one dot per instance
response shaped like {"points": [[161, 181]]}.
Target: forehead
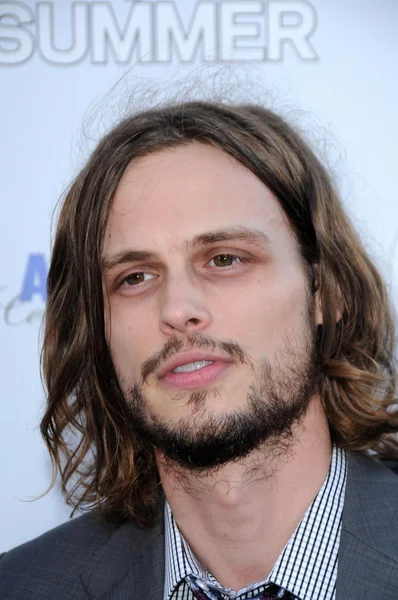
{"points": [[170, 195]]}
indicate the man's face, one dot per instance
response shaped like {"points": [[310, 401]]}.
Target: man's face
{"points": [[244, 301]]}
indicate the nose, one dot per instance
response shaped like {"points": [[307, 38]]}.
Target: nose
{"points": [[183, 307]]}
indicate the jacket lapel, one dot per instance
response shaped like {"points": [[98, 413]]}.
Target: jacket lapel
{"points": [[368, 550], [129, 566]]}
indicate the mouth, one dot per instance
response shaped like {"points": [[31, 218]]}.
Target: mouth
{"points": [[197, 378]]}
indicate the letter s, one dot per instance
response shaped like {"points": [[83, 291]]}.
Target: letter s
{"points": [[15, 33]]}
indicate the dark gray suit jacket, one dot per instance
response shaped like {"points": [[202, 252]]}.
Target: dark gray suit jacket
{"points": [[85, 558]]}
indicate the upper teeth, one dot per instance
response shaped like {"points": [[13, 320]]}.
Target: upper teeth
{"points": [[192, 366]]}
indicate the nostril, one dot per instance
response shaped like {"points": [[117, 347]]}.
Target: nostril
{"points": [[194, 321]]}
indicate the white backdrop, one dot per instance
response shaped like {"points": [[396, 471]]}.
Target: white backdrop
{"points": [[332, 65]]}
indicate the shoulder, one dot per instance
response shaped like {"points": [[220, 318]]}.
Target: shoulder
{"points": [[49, 565], [363, 468], [368, 550], [370, 507], [80, 534]]}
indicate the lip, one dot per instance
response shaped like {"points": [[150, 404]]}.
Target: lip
{"points": [[188, 357], [198, 378]]}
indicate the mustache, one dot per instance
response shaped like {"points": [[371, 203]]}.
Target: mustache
{"points": [[195, 341]]}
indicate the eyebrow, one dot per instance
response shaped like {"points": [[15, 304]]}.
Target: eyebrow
{"points": [[255, 237]]}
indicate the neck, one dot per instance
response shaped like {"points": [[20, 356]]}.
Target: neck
{"points": [[231, 512]]}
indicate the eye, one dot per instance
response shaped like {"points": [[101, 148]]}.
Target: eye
{"points": [[225, 258], [135, 278]]}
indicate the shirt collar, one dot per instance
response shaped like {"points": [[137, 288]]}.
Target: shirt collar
{"points": [[306, 567]]}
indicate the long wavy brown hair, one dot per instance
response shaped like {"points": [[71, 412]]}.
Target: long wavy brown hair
{"points": [[102, 463]]}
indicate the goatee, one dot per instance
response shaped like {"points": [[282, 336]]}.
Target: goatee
{"points": [[277, 399]]}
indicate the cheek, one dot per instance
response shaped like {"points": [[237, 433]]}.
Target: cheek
{"points": [[125, 336], [267, 312]]}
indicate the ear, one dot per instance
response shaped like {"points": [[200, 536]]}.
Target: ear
{"points": [[340, 303], [318, 308], [337, 295]]}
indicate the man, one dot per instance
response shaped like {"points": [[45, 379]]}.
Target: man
{"points": [[222, 345]]}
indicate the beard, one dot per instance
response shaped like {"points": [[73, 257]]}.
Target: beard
{"points": [[277, 398]]}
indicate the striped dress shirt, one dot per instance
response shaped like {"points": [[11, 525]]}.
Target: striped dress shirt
{"points": [[306, 567]]}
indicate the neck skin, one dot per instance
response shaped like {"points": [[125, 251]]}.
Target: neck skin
{"points": [[238, 520]]}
